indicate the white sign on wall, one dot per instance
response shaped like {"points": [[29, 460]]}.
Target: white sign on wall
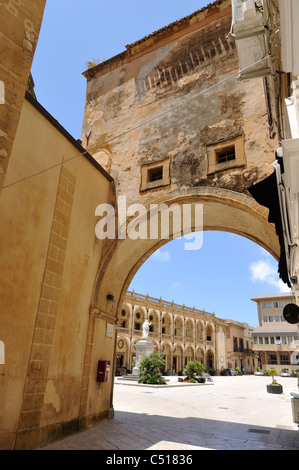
{"points": [[109, 330], [2, 353]]}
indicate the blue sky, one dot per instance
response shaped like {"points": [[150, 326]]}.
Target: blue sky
{"points": [[228, 270]]}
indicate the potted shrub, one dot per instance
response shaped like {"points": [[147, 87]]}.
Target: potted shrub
{"points": [[274, 387], [150, 370], [193, 372]]}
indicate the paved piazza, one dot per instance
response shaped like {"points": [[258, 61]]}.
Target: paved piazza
{"points": [[230, 413]]}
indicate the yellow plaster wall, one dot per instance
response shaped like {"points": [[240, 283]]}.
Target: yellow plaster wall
{"points": [[49, 258]]}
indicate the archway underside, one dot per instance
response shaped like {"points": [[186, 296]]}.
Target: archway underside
{"points": [[223, 210]]}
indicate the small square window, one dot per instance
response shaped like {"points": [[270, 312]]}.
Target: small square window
{"points": [[155, 174], [226, 154]]}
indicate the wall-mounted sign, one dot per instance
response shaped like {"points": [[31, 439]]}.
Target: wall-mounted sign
{"points": [[2, 353], [109, 330]]}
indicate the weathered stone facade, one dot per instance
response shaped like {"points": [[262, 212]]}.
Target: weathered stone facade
{"points": [[170, 97], [20, 23], [161, 117]]}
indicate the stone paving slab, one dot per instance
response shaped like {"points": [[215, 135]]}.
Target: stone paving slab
{"points": [[235, 414]]}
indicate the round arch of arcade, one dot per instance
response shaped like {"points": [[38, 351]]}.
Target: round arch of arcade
{"points": [[223, 210]]}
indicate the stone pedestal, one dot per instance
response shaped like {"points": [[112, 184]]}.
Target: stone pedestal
{"points": [[144, 348]]}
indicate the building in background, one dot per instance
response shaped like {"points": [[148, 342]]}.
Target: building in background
{"points": [[182, 334], [275, 341], [239, 347]]}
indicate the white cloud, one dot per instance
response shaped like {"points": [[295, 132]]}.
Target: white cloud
{"points": [[160, 255], [264, 271], [176, 285]]}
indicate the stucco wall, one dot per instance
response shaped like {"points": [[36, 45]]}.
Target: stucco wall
{"points": [[49, 258]]}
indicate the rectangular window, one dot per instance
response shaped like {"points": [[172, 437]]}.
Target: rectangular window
{"points": [[285, 359], [284, 340], [272, 340], [277, 318], [272, 359], [266, 340], [275, 304], [137, 326], [269, 305], [226, 154], [265, 319], [260, 340], [155, 174], [277, 340], [280, 304], [264, 305], [255, 340], [271, 319], [282, 318]]}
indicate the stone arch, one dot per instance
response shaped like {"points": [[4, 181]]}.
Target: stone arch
{"points": [[199, 330], [139, 318], [189, 328], [166, 352], [178, 326], [154, 318], [210, 332], [166, 323], [178, 357], [223, 210], [125, 316], [189, 353], [210, 360], [122, 352], [200, 354]]}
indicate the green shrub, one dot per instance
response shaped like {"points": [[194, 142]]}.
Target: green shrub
{"points": [[193, 368], [149, 370]]}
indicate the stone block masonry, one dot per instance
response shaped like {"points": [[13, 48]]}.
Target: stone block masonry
{"points": [[36, 381]]}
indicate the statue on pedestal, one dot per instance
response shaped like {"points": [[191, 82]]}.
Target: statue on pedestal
{"points": [[145, 329]]}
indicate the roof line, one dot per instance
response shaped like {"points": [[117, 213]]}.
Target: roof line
{"points": [[66, 134], [175, 23]]}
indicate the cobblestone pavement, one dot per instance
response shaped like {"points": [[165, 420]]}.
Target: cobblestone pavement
{"points": [[230, 413]]}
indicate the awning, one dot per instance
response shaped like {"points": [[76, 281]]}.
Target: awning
{"points": [[266, 194]]}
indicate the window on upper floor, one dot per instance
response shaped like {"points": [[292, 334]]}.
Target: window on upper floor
{"points": [[226, 155], [154, 175]]}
